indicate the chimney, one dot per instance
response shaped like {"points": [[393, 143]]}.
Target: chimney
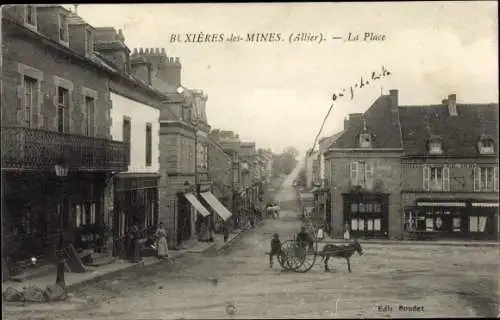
{"points": [[393, 97], [452, 105], [346, 123], [141, 69], [111, 45]]}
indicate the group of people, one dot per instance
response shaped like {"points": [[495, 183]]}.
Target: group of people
{"points": [[158, 241]]}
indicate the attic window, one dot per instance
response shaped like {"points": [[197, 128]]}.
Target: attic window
{"points": [[30, 15], [485, 145], [89, 42], [365, 140], [435, 145], [63, 28]]}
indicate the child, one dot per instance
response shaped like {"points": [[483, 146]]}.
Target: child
{"points": [[275, 248]]}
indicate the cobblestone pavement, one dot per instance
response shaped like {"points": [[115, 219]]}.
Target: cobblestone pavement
{"points": [[441, 281]]}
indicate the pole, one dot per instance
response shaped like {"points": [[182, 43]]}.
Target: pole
{"points": [[60, 265]]}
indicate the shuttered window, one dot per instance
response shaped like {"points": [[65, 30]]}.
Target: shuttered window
{"points": [[426, 177], [446, 179], [354, 173], [30, 94]]}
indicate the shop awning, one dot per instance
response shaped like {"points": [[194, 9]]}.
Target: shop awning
{"points": [[485, 204], [441, 204], [197, 204], [216, 205]]}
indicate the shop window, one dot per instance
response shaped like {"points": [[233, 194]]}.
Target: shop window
{"points": [[429, 224], [369, 226], [354, 224], [477, 223], [456, 224], [354, 207], [377, 225]]}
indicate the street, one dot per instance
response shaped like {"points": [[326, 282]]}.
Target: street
{"points": [[432, 281]]}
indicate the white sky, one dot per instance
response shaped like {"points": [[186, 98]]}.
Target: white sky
{"points": [[277, 94]]}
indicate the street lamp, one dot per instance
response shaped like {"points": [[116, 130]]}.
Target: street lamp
{"points": [[61, 170]]}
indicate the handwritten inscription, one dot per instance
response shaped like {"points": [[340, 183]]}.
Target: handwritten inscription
{"points": [[361, 84], [274, 37]]}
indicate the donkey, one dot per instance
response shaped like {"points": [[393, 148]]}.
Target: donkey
{"points": [[340, 251]]}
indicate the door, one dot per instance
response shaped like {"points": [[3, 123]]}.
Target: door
{"points": [[183, 219], [366, 216]]}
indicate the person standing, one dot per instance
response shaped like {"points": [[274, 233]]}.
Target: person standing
{"points": [[162, 244], [347, 233], [134, 241], [275, 248]]}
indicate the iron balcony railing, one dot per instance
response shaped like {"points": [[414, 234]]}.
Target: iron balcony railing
{"points": [[27, 148]]}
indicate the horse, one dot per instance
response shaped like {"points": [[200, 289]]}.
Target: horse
{"points": [[340, 251], [273, 211]]}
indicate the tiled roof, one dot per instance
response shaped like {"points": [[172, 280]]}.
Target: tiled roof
{"points": [[459, 134], [327, 142], [380, 122]]}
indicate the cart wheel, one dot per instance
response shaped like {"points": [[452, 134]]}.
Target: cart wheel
{"points": [[288, 259], [307, 258]]}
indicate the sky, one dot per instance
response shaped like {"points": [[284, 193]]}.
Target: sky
{"points": [[277, 93]]}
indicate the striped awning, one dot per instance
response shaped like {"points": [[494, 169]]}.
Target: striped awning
{"points": [[485, 204], [440, 204], [197, 204], [218, 207]]}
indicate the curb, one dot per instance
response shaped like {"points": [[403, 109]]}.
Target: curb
{"points": [[425, 243]]}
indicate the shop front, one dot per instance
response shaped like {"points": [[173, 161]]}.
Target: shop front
{"points": [[465, 218], [366, 215]]}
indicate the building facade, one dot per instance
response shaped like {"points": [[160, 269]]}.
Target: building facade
{"points": [[450, 170], [417, 171], [55, 110], [364, 173]]}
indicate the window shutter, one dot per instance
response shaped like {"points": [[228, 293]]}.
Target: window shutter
{"points": [[20, 104], [426, 177], [446, 179], [39, 105], [495, 178], [369, 175], [354, 173], [477, 179]]}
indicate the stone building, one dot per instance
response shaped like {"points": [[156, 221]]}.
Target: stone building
{"points": [[364, 163], [56, 110], [450, 169]]}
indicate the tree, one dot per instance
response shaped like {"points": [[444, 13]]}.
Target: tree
{"points": [[285, 162]]}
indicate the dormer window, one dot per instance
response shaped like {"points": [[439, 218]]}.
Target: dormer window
{"points": [[434, 145], [485, 145], [63, 28], [89, 42], [365, 140], [245, 166], [30, 18]]}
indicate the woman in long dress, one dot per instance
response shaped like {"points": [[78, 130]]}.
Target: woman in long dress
{"points": [[161, 235]]}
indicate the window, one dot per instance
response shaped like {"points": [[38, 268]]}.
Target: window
{"points": [[362, 174], [30, 93], [62, 107], [89, 42], [485, 145], [436, 178], [127, 127], [30, 15], [435, 148], [90, 116], [149, 144], [486, 179], [63, 28], [365, 140], [477, 223]]}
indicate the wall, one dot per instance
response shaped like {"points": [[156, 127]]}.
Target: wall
{"points": [[461, 173], [36, 59], [386, 172], [139, 114], [219, 166]]}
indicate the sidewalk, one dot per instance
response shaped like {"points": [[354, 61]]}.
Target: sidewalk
{"points": [[457, 243], [94, 274]]}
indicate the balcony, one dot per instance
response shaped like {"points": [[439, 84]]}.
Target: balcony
{"points": [[26, 148]]}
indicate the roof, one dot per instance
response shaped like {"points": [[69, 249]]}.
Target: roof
{"points": [[380, 122], [325, 143], [459, 134]]}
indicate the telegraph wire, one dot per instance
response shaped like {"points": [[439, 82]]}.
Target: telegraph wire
{"points": [[320, 129]]}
